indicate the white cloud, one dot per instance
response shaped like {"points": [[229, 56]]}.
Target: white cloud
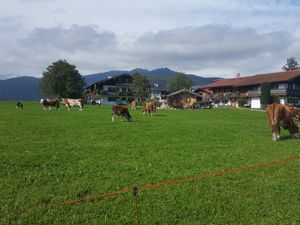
{"points": [[211, 37]]}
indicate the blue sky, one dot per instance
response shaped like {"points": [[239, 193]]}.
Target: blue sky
{"points": [[204, 37]]}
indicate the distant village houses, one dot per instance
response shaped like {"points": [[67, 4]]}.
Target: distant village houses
{"points": [[117, 90], [284, 85], [113, 90]]}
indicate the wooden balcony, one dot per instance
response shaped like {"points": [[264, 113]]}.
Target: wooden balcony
{"points": [[112, 93], [254, 93], [275, 92]]}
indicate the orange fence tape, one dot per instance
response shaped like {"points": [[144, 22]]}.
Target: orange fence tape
{"points": [[180, 180]]}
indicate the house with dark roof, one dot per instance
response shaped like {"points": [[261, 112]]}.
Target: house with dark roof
{"points": [[284, 85], [113, 90]]}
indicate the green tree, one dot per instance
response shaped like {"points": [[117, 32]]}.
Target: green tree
{"points": [[179, 81], [141, 86], [62, 80], [291, 64], [265, 97]]}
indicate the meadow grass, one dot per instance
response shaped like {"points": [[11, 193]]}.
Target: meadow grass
{"points": [[47, 157]]}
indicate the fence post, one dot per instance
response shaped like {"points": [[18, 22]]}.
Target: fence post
{"points": [[134, 193]]}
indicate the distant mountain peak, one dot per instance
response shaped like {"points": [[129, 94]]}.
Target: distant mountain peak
{"points": [[27, 88]]}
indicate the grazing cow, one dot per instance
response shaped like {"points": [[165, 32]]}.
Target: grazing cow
{"points": [[48, 103], [122, 111], [149, 108], [278, 113], [19, 105], [134, 104], [295, 112], [73, 102]]}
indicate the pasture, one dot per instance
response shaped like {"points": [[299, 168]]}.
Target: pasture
{"points": [[47, 157]]}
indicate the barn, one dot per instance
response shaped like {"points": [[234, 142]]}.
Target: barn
{"points": [[184, 99]]}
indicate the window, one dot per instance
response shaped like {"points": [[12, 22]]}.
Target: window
{"points": [[111, 99], [124, 89], [282, 86], [296, 86], [111, 89]]}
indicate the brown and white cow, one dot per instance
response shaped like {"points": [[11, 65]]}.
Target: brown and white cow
{"points": [[122, 111], [295, 112], [69, 102], [49, 103], [277, 114], [149, 108], [134, 104]]}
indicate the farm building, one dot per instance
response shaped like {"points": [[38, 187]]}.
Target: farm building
{"points": [[184, 99], [113, 90], [284, 85]]}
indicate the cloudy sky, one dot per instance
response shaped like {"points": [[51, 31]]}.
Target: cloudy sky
{"points": [[203, 37]]}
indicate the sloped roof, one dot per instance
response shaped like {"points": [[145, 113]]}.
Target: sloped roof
{"points": [[271, 78], [256, 79], [185, 90], [109, 78], [231, 82]]}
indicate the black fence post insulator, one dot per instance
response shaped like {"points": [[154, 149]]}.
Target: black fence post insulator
{"points": [[134, 193]]}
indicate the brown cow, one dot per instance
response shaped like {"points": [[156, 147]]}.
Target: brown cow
{"points": [[48, 103], [134, 104], [122, 111], [149, 108], [278, 113], [294, 111]]}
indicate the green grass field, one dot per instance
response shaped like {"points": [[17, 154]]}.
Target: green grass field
{"points": [[47, 157]]}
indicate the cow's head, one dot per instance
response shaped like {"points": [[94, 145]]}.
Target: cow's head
{"points": [[128, 117]]}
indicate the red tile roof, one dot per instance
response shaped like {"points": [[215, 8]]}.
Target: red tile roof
{"points": [[271, 78], [226, 82], [256, 79]]}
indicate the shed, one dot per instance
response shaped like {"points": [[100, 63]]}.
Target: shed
{"points": [[184, 99]]}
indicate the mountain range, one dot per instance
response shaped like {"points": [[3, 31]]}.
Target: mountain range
{"points": [[27, 87]]}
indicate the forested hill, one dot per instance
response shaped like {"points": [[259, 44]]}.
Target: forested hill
{"points": [[27, 88]]}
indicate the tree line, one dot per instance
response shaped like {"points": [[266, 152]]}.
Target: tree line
{"points": [[62, 79]]}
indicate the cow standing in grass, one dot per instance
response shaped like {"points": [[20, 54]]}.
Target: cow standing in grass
{"points": [[134, 104], [19, 106], [149, 108], [279, 114], [49, 103], [122, 111], [69, 102], [295, 112]]}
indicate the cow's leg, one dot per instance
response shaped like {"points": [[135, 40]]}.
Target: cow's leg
{"points": [[275, 133], [274, 136], [113, 117], [278, 132]]}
